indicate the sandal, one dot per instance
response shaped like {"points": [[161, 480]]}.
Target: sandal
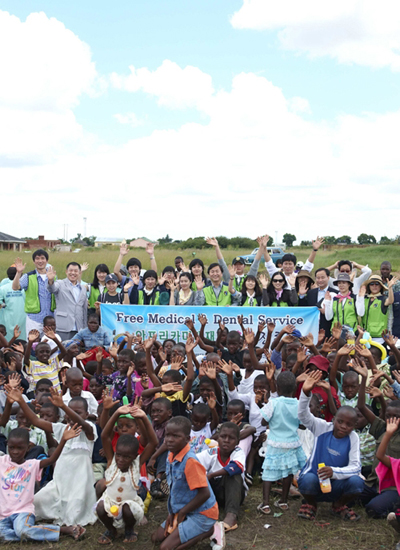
{"points": [[306, 511], [79, 532], [106, 538], [130, 536], [155, 489], [249, 479], [264, 509], [345, 513], [282, 505]]}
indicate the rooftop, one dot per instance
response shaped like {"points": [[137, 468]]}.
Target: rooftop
{"points": [[10, 239]]}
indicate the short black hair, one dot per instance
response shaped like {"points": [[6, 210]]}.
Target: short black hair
{"points": [[49, 405], [214, 264], [173, 375], [182, 423], [134, 261], [231, 426], [11, 272], [44, 382], [163, 401], [93, 316], [140, 355], [237, 403], [350, 374], [81, 400], [19, 433], [47, 319], [393, 404], [73, 371], [201, 409], [349, 410], [261, 378], [322, 269], [74, 263], [128, 441], [286, 382], [168, 268], [91, 367], [289, 258], [345, 262], [233, 336], [127, 353], [206, 381], [40, 252]]}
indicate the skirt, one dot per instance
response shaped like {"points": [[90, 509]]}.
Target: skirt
{"points": [[280, 463]]}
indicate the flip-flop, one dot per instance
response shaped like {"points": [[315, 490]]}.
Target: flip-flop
{"points": [[106, 538], [131, 534], [228, 528], [80, 532], [264, 509]]}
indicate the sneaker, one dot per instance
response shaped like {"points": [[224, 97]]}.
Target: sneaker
{"points": [[392, 521], [218, 537]]}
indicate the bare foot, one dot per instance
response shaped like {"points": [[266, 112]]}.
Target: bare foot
{"points": [[74, 531], [130, 536], [230, 519]]}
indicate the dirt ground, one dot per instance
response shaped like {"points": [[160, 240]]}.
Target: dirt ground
{"points": [[287, 532]]}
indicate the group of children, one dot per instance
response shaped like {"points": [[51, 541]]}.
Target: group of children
{"points": [[92, 429]]}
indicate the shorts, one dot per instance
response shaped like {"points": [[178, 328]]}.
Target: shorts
{"points": [[194, 525]]}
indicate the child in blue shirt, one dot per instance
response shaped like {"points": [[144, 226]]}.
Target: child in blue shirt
{"points": [[338, 447], [94, 335]]}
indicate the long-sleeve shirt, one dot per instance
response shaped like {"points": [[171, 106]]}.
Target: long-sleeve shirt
{"points": [[93, 339], [360, 307], [271, 268], [358, 281], [342, 455]]}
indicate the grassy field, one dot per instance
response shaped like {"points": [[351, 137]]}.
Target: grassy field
{"points": [[371, 255], [287, 532]]}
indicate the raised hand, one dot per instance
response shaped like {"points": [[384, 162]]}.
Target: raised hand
{"points": [[189, 323], [19, 265], [176, 362], [199, 282], [312, 380], [232, 271], [249, 336], [389, 338], [211, 370], [191, 343], [260, 396], [51, 274], [308, 340], [202, 318], [99, 355], [389, 393], [19, 348], [137, 412], [172, 386], [225, 367], [123, 249], [292, 279], [288, 329], [301, 354], [113, 349], [240, 320], [318, 242], [396, 375], [212, 241], [71, 431], [271, 327], [336, 330], [161, 280], [84, 266], [49, 333], [56, 398], [108, 401], [14, 380], [392, 281], [149, 342], [84, 355], [328, 345], [135, 279], [212, 400], [270, 371], [128, 285], [345, 350], [150, 249], [364, 352], [303, 287], [261, 326], [374, 392], [288, 338], [17, 332], [33, 335], [392, 425], [362, 291], [14, 395], [237, 419], [263, 280], [360, 368]]}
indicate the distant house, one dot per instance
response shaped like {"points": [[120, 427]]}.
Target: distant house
{"points": [[141, 242], [107, 241], [8, 242], [63, 248], [41, 242]]}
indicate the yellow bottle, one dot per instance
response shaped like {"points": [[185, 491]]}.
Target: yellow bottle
{"points": [[114, 510], [325, 484], [211, 443]]}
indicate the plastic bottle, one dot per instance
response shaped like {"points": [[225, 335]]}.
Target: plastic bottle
{"points": [[325, 484], [351, 339], [114, 510], [211, 443]]}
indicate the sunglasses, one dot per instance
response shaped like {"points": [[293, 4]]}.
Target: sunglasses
{"points": [[374, 284], [278, 281]]}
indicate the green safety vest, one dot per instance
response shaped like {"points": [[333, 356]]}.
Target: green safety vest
{"points": [[32, 302], [93, 296], [239, 286], [346, 315], [224, 298], [246, 302], [154, 300], [281, 304], [375, 318]]}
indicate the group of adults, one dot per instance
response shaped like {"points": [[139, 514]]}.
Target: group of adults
{"points": [[28, 297]]}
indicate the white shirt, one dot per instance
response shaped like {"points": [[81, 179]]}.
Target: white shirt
{"points": [[271, 268], [92, 403]]}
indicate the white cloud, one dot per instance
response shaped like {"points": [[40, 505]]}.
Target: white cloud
{"points": [[128, 118], [174, 87], [364, 32], [45, 68]]}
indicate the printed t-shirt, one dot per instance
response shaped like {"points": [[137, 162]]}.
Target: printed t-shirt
{"points": [[17, 486]]}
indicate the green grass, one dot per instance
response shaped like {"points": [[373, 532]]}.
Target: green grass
{"points": [[371, 255]]}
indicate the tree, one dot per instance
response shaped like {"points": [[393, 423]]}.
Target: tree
{"points": [[305, 243], [165, 240], [344, 239], [89, 240], [385, 240], [289, 239], [330, 240], [366, 239]]}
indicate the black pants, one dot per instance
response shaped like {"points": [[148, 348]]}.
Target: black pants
{"points": [[229, 492], [378, 505]]}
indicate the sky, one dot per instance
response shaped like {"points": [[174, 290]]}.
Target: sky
{"points": [[188, 118]]}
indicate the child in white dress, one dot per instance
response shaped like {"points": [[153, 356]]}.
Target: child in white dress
{"points": [[120, 505], [70, 497]]}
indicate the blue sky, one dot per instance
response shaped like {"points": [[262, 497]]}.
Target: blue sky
{"points": [[348, 82]]}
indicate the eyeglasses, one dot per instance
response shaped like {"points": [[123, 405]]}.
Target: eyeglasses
{"points": [[375, 284], [278, 281]]}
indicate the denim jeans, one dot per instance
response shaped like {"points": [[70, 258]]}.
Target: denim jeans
{"points": [[309, 485], [22, 527]]}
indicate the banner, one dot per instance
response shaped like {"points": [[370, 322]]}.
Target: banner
{"points": [[169, 321]]}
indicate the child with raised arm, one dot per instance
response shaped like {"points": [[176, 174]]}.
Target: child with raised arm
{"points": [[18, 477], [70, 497], [120, 505], [202, 426], [170, 386], [45, 365], [337, 446], [284, 456], [192, 508]]}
